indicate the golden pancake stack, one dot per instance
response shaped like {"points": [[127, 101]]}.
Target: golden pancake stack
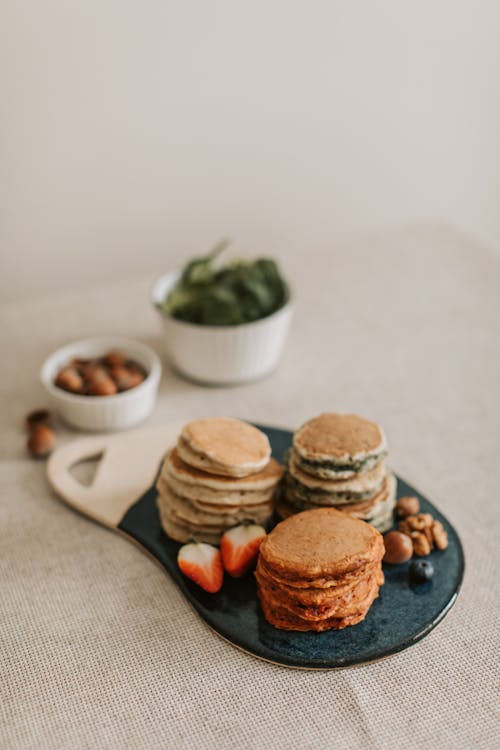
{"points": [[319, 570], [337, 460], [219, 474]]}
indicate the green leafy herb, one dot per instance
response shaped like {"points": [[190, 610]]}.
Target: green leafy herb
{"points": [[239, 292]]}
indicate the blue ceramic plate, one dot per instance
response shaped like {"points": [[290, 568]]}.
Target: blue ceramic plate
{"points": [[401, 616]]}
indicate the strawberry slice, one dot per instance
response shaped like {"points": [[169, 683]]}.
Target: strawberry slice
{"points": [[239, 548], [202, 564]]}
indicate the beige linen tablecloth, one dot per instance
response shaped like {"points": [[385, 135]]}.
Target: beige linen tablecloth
{"points": [[97, 646]]}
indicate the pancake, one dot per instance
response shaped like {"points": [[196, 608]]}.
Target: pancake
{"points": [[336, 446], [188, 512], [304, 499], [309, 595], [323, 587], [319, 545], [181, 532], [341, 607], [301, 600], [216, 502], [377, 511], [283, 620], [224, 446], [205, 497], [383, 523], [175, 467], [334, 491]]}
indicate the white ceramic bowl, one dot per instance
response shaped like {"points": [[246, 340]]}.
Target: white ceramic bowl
{"points": [[103, 413], [222, 355]]}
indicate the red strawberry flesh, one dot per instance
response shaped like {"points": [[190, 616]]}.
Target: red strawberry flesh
{"points": [[240, 548], [202, 563]]}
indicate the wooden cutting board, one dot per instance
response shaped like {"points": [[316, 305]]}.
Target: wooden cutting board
{"points": [[127, 467], [122, 497]]}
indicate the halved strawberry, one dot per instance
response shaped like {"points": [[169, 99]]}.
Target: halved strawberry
{"points": [[239, 548], [202, 564]]}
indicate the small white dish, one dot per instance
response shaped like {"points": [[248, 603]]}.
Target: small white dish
{"points": [[222, 355], [103, 413]]}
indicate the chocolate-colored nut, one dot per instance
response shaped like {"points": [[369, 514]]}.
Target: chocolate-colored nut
{"points": [[398, 547], [407, 506], [37, 417], [41, 441], [100, 386], [113, 359], [69, 379]]}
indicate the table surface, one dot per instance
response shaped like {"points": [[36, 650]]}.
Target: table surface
{"points": [[97, 646]]}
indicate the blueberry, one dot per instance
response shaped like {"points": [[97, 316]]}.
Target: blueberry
{"points": [[420, 571]]}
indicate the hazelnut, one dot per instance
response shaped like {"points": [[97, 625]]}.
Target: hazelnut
{"points": [[126, 378], [101, 386], [398, 547], [41, 441], [70, 380], [37, 417], [407, 506], [114, 359]]}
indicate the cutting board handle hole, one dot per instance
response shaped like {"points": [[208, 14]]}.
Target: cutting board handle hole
{"points": [[84, 471]]}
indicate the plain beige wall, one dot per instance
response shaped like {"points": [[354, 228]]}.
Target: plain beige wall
{"points": [[134, 133]]}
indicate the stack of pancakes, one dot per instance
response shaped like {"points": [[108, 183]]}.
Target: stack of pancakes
{"points": [[337, 460], [319, 570], [218, 475]]}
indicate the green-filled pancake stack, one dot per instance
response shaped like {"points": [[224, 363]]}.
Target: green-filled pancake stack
{"points": [[337, 460]]}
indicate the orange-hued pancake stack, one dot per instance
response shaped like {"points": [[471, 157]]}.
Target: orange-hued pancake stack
{"points": [[319, 570], [219, 474]]}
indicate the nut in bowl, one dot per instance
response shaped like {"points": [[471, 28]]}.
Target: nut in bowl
{"points": [[92, 391], [227, 324]]}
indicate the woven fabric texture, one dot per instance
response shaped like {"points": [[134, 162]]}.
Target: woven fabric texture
{"points": [[97, 647]]}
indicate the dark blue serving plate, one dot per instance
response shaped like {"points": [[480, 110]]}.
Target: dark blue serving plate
{"points": [[402, 615]]}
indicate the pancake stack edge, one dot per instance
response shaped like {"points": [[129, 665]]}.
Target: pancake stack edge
{"points": [[218, 475], [338, 460], [319, 570]]}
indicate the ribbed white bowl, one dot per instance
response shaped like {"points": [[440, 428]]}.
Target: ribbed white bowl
{"points": [[221, 355], [103, 413]]}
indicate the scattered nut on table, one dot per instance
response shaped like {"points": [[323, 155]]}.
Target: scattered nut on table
{"points": [[37, 417], [41, 442]]}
